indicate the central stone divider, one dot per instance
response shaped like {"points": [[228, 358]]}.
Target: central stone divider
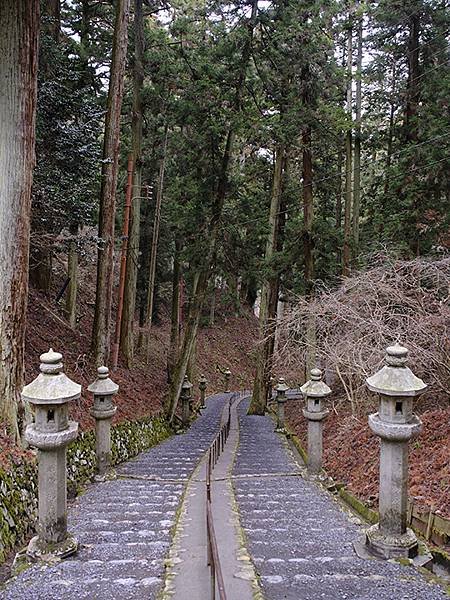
{"points": [[124, 526], [188, 575]]}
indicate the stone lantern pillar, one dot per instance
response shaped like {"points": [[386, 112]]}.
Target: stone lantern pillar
{"points": [[51, 432], [103, 411], [395, 424], [281, 390], [186, 401], [227, 374], [315, 391], [202, 387]]}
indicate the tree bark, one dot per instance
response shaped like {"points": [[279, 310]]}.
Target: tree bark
{"points": [[357, 148], [175, 311], [346, 254], [19, 31], [412, 104], [53, 11], [72, 275], [308, 244], [269, 296], [154, 249], [123, 262], [308, 210], [129, 301], [388, 152], [105, 266], [212, 306]]}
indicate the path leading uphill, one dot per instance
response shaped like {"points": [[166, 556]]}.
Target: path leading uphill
{"points": [[299, 537], [280, 537], [124, 525]]}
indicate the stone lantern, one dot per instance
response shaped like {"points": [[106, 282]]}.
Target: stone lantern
{"points": [[395, 424], [103, 411], [202, 387], [227, 374], [315, 391], [185, 397], [51, 432], [281, 390]]}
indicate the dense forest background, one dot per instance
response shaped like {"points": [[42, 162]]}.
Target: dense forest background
{"points": [[270, 149]]}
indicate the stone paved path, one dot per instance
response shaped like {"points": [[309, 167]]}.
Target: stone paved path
{"points": [[188, 576], [299, 538], [124, 525]]}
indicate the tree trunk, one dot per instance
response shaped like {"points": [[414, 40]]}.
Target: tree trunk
{"points": [[346, 254], [412, 104], [123, 262], [269, 296], [308, 211], [72, 275], [175, 311], [41, 263], [338, 222], [129, 301], [105, 265], [205, 272], [154, 249], [19, 30], [357, 149], [280, 315], [388, 152], [53, 13], [308, 245], [190, 370], [212, 307]]}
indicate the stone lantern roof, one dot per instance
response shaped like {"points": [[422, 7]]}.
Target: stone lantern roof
{"points": [[187, 386], [315, 387], [202, 380], [103, 385], [281, 386], [395, 378], [51, 386]]}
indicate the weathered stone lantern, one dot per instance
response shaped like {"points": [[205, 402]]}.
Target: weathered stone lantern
{"points": [[281, 390], [103, 411], [202, 387], [185, 397], [227, 374], [315, 391], [395, 424], [51, 432]]}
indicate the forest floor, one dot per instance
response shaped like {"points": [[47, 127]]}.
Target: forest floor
{"points": [[351, 452]]}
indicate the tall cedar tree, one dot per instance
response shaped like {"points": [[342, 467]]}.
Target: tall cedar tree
{"points": [[19, 28], [105, 265]]}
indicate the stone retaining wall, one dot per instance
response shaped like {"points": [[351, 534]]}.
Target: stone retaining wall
{"points": [[18, 485]]}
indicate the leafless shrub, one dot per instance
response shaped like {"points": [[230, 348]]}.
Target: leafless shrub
{"points": [[404, 301]]}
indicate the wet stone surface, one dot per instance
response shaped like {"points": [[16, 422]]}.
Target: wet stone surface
{"points": [[299, 538], [124, 526]]}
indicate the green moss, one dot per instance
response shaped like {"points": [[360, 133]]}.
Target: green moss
{"points": [[367, 513], [18, 485]]}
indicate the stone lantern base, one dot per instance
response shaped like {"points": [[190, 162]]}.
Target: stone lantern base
{"points": [[391, 546], [39, 550]]}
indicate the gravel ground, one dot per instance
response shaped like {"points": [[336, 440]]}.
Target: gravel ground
{"points": [[299, 538], [124, 526]]}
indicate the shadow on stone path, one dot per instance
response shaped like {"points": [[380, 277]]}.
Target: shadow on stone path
{"points": [[124, 525], [299, 538]]}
